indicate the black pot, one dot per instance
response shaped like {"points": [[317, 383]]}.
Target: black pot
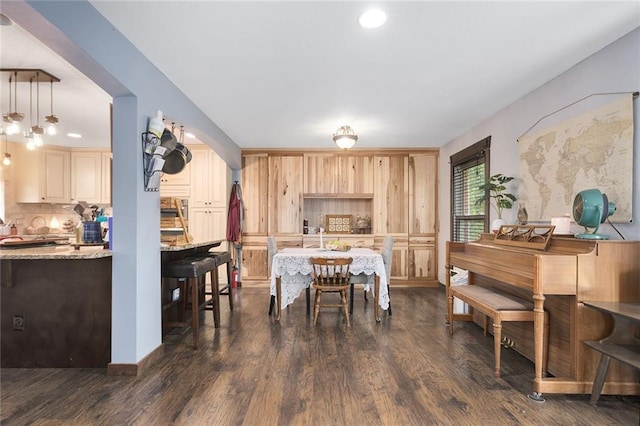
{"points": [[168, 141], [176, 160]]}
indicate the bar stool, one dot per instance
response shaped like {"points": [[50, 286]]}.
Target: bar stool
{"points": [[220, 258], [191, 269]]}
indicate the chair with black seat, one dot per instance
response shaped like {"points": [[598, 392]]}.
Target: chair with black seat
{"points": [[331, 275], [190, 270]]}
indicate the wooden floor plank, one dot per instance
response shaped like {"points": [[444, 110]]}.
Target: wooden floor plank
{"points": [[406, 370]]}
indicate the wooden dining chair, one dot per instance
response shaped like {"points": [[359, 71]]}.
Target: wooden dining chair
{"points": [[331, 275]]}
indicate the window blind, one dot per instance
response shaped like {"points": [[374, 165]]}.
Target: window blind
{"points": [[468, 172]]}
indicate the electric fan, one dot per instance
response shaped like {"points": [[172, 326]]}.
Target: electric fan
{"points": [[591, 208]]}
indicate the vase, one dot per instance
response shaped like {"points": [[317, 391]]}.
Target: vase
{"points": [[523, 216], [496, 224]]}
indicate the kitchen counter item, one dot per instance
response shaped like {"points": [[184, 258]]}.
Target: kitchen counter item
{"points": [[20, 243], [38, 222]]}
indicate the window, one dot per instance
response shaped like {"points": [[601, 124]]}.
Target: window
{"points": [[469, 170]]}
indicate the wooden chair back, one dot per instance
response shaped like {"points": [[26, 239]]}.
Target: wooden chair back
{"points": [[331, 273]]}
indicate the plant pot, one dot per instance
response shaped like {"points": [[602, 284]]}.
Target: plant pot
{"points": [[496, 224]]}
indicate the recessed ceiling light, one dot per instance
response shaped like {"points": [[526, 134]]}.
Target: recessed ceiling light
{"points": [[372, 18], [190, 135], [74, 135]]}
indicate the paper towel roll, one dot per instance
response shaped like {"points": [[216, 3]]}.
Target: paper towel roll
{"points": [[562, 224]]}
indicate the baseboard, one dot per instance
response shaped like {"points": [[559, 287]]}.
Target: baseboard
{"points": [[138, 368]]}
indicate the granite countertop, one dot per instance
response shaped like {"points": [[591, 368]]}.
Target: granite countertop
{"points": [[66, 251], [214, 243], [55, 251]]}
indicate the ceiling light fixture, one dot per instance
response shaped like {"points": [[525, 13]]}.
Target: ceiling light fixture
{"points": [[372, 18], [74, 135], [33, 135], [13, 118], [38, 130], [51, 119], [345, 137]]}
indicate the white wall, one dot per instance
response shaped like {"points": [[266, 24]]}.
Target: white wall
{"points": [[616, 68]]}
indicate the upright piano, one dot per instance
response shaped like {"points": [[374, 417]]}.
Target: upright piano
{"points": [[558, 279]]}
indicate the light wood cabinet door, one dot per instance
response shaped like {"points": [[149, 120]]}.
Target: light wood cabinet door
{"points": [[210, 178], [285, 194], [390, 197], [255, 177], [254, 258], [56, 185], [355, 174], [42, 176], [207, 223], [338, 174], [321, 174], [423, 187], [177, 185], [86, 177]]}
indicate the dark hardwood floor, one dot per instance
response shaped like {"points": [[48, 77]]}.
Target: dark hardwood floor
{"points": [[406, 370]]}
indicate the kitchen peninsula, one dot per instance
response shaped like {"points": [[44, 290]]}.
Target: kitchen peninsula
{"points": [[56, 307], [56, 304]]}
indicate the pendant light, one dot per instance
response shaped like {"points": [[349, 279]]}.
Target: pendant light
{"points": [[37, 130], [51, 119], [13, 117]]}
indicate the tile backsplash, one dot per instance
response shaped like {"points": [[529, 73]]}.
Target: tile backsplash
{"points": [[25, 215]]}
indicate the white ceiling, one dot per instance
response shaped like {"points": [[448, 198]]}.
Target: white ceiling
{"points": [[288, 74]]}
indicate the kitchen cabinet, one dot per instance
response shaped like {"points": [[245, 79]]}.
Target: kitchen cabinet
{"points": [[91, 177], [423, 184], [208, 223], [337, 174], [44, 175], [395, 188], [391, 196], [255, 178], [210, 178], [284, 194], [177, 185]]}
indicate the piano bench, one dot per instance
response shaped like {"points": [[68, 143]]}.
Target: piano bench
{"points": [[500, 307]]}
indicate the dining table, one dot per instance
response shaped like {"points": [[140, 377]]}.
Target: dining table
{"points": [[291, 274]]}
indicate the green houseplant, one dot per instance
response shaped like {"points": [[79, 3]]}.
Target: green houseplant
{"points": [[495, 189]]}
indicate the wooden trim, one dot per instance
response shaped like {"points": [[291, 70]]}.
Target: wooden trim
{"points": [[138, 368], [339, 152]]}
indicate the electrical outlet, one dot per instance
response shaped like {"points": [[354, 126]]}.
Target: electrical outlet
{"points": [[18, 322], [19, 222]]}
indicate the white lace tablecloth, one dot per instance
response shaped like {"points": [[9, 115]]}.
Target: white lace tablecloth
{"points": [[293, 267]]}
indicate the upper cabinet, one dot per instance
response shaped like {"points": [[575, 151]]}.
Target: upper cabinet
{"points": [[91, 177], [285, 191], [43, 175], [423, 187], [177, 185], [255, 177], [390, 194], [210, 178], [337, 174]]}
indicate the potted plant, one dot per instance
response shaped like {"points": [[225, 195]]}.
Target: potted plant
{"points": [[495, 189]]}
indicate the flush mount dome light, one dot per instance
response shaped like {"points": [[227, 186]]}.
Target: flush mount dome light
{"points": [[345, 137], [372, 18]]}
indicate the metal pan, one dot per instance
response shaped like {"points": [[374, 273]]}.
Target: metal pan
{"points": [[176, 160]]}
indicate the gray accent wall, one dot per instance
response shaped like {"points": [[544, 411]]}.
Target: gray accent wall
{"points": [[616, 68]]}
